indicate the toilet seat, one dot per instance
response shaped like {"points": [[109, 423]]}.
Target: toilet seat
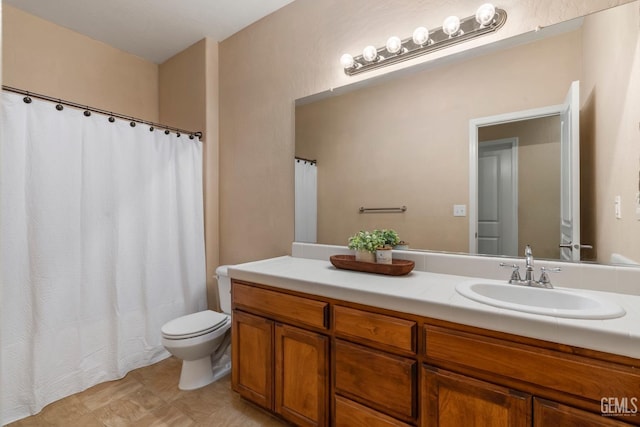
{"points": [[194, 325]]}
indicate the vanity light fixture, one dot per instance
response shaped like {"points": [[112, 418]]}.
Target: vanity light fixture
{"points": [[370, 53], [454, 30], [451, 26]]}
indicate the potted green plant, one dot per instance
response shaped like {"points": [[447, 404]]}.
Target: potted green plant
{"points": [[365, 243], [390, 237], [374, 246]]}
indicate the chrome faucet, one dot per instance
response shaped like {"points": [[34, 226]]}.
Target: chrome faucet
{"points": [[529, 279], [528, 256]]}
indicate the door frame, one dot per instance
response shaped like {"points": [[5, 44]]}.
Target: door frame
{"points": [[510, 223], [474, 124]]}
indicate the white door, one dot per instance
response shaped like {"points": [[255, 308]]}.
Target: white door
{"points": [[498, 197], [570, 175]]}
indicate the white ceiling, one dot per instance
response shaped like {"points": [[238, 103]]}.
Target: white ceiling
{"points": [[151, 29]]}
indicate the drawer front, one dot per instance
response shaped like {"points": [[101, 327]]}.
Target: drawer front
{"points": [[375, 328], [281, 305], [547, 413], [352, 414], [562, 372], [380, 380]]}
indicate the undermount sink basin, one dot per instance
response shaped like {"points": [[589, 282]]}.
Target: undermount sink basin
{"points": [[549, 302]]}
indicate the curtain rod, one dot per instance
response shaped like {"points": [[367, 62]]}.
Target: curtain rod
{"points": [[111, 114], [313, 162]]}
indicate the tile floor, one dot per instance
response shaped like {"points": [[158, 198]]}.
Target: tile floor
{"points": [[150, 396]]}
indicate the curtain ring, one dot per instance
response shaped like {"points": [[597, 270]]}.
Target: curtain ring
{"points": [[59, 106], [87, 113], [111, 118], [27, 99], [150, 128], [167, 132], [132, 124], [178, 134]]}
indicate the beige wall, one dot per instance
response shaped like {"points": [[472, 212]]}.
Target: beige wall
{"points": [[538, 181], [406, 142], [294, 53], [189, 100], [45, 58], [611, 132], [182, 92]]}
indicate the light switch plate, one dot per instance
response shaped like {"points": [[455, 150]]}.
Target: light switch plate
{"points": [[459, 210]]}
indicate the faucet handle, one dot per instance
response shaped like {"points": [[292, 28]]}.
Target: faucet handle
{"points": [[544, 277], [515, 274]]}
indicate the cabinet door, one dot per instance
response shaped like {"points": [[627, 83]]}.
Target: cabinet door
{"points": [[451, 400], [252, 358], [547, 413], [301, 376]]}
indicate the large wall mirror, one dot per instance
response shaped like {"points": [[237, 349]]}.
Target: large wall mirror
{"points": [[404, 141]]}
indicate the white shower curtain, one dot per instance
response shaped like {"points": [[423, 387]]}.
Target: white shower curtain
{"points": [[306, 201], [101, 229]]}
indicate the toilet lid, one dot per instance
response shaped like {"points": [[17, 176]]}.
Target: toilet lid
{"points": [[195, 324]]}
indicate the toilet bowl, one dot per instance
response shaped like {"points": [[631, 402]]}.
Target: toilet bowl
{"points": [[202, 340]]}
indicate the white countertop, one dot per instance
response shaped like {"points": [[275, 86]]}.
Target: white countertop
{"points": [[434, 295]]}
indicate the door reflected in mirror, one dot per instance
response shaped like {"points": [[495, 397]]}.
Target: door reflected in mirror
{"points": [[519, 187]]}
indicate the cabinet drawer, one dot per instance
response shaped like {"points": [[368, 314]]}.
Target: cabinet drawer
{"points": [[566, 373], [280, 305], [382, 381], [375, 328], [352, 414], [547, 413]]}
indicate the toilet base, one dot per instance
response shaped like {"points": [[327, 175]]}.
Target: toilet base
{"points": [[196, 374], [199, 373]]}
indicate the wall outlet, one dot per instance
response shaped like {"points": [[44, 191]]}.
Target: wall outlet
{"points": [[459, 210], [617, 208]]}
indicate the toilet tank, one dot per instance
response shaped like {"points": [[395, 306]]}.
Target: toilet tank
{"points": [[224, 288]]}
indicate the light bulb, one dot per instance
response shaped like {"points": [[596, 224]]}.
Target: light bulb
{"points": [[347, 61], [370, 53], [420, 36], [485, 14], [394, 44], [451, 26]]}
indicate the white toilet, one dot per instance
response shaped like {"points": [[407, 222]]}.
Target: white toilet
{"points": [[202, 340]]}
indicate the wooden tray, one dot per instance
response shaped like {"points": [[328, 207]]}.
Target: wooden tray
{"points": [[400, 267]]}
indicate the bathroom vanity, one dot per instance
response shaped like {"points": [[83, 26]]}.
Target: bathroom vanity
{"points": [[322, 346]]}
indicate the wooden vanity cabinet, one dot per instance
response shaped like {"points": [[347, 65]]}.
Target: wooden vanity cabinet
{"points": [[318, 361], [281, 367]]}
